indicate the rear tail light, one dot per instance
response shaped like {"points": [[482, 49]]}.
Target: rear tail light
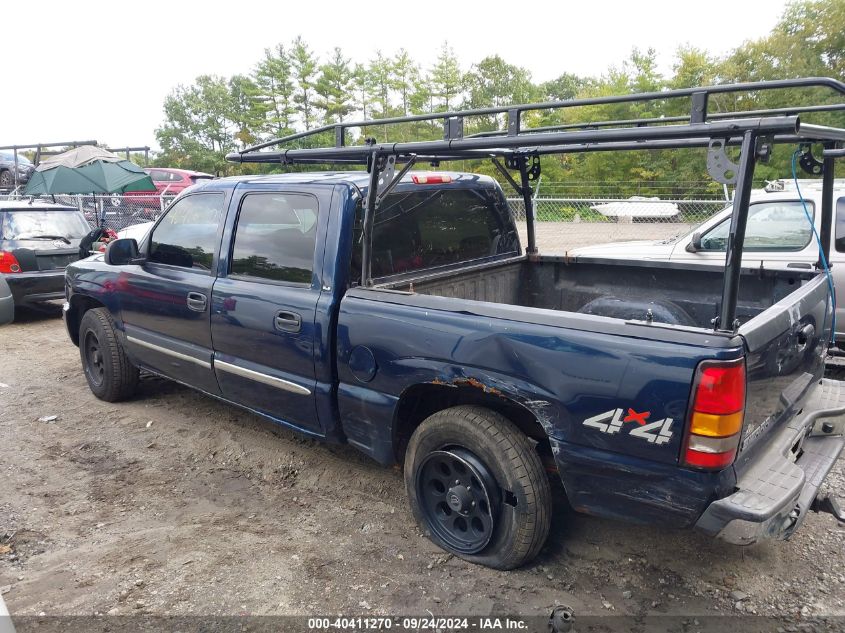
{"points": [[716, 416], [9, 263], [431, 179]]}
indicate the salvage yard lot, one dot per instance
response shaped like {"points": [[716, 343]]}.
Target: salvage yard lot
{"points": [[174, 503]]}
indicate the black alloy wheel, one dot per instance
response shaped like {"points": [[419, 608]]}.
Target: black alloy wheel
{"points": [[460, 499], [94, 366]]}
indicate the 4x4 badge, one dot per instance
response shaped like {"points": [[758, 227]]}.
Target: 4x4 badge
{"points": [[610, 422]]}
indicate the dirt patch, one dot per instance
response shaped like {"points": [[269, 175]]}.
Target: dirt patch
{"points": [[176, 504]]}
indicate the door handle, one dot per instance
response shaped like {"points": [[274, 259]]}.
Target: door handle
{"points": [[287, 321], [197, 301], [798, 265]]}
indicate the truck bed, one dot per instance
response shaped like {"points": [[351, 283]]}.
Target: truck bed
{"points": [[675, 294]]}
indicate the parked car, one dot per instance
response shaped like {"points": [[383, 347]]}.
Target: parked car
{"points": [[37, 241], [477, 367], [777, 236], [136, 232], [167, 181], [8, 166]]}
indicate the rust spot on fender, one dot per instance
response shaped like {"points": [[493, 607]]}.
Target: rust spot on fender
{"points": [[477, 384], [467, 382]]}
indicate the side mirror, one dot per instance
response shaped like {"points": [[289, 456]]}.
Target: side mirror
{"points": [[121, 252], [695, 243]]}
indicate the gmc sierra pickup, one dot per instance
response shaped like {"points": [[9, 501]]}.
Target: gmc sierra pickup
{"points": [[401, 314]]}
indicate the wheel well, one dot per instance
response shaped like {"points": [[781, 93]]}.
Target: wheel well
{"points": [[420, 401], [79, 305]]}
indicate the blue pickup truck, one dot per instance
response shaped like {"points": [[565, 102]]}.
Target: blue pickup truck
{"points": [[401, 314]]}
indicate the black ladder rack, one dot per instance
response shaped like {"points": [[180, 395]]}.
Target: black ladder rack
{"points": [[755, 131]]}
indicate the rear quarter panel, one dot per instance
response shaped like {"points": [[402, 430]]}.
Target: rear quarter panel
{"points": [[564, 368]]}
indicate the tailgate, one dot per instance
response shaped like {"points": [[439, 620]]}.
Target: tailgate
{"points": [[786, 345], [32, 260], [56, 260]]}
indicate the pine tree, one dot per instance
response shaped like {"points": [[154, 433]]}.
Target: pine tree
{"points": [[276, 89], [334, 86], [304, 65], [446, 79]]}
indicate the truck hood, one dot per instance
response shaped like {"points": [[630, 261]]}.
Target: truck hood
{"points": [[640, 249]]}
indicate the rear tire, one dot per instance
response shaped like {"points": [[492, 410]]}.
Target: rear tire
{"points": [[497, 454], [110, 374]]}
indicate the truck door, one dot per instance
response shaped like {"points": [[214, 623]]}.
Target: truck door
{"points": [[264, 304], [165, 302]]}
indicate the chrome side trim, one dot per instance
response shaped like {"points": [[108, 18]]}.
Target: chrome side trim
{"points": [[169, 352], [265, 378]]}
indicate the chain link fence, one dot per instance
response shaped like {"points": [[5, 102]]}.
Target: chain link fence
{"points": [[565, 223]]}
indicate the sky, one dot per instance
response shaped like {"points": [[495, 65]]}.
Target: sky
{"points": [[100, 70]]}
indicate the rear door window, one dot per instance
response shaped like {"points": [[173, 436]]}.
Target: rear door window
{"points": [[187, 235], [430, 228], [771, 226], [275, 238]]}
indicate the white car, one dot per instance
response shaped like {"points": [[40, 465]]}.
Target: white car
{"points": [[777, 235], [137, 231]]}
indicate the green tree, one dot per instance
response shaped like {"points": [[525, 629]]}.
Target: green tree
{"points": [[492, 82], [405, 74], [361, 85], [446, 79], [198, 130], [380, 75], [304, 66], [273, 77], [334, 87], [564, 88], [248, 111]]}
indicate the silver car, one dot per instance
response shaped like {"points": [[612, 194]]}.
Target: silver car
{"points": [[777, 236]]}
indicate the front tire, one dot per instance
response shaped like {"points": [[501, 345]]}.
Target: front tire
{"points": [[477, 487], [110, 374]]}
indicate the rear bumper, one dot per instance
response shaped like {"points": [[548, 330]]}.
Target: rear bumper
{"points": [[774, 494], [37, 286]]}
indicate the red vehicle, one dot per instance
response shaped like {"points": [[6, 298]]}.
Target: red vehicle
{"points": [[168, 182]]}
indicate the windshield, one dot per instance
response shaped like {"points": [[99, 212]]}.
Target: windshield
{"points": [[22, 160], [696, 227], [35, 224]]}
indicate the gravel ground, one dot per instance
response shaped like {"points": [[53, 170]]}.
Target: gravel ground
{"points": [[174, 503]]}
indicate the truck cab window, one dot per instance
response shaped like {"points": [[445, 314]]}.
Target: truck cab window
{"points": [[776, 226], [415, 230], [275, 237], [187, 234]]}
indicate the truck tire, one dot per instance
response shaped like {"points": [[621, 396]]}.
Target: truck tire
{"points": [[477, 487], [110, 374]]}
